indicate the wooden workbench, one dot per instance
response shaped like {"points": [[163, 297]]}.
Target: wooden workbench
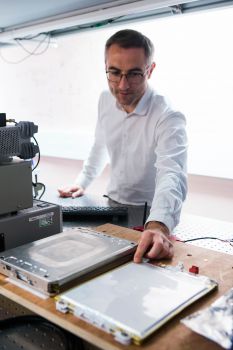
{"points": [[173, 335]]}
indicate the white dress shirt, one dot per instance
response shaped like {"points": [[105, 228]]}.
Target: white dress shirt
{"points": [[147, 149]]}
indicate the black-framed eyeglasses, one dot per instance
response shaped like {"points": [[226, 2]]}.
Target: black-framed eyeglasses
{"points": [[133, 77]]}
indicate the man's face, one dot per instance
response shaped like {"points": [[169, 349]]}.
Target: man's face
{"points": [[130, 61]]}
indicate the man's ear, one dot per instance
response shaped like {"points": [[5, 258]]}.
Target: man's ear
{"points": [[150, 70]]}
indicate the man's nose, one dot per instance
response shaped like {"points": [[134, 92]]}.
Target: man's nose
{"points": [[123, 84]]}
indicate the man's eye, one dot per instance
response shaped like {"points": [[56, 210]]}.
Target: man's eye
{"points": [[115, 73], [134, 74]]}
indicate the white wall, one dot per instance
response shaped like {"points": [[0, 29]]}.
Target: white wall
{"points": [[59, 89]]}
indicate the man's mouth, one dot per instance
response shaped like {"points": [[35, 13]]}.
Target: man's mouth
{"points": [[124, 93]]}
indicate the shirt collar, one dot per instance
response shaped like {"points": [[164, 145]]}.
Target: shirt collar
{"points": [[143, 104]]}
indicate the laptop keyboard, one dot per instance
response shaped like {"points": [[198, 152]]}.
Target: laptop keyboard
{"points": [[94, 211]]}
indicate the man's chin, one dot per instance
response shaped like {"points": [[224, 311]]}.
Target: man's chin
{"points": [[124, 100]]}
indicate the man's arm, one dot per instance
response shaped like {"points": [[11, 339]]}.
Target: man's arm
{"points": [[92, 167], [170, 189]]}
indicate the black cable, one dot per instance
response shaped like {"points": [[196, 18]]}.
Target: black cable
{"points": [[31, 37], [34, 185], [144, 214], [34, 51], [199, 238], [43, 189], [11, 121], [42, 186], [29, 53], [38, 160]]}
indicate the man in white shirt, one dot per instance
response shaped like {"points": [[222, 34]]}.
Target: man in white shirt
{"points": [[145, 140]]}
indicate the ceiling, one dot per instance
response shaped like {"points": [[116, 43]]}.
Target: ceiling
{"points": [[15, 13], [23, 18]]}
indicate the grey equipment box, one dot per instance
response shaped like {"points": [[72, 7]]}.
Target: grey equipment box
{"points": [[41, 220], [51, 264], [15, 186]]}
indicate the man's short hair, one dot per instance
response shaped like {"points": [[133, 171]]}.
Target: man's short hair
{"points": [[128, 38]]}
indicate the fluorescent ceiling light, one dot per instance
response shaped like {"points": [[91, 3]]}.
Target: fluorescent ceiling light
{"points": [[90, 15]]}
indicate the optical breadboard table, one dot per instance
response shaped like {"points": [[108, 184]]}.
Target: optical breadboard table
{"points": [[173, 335], [199, 228]]}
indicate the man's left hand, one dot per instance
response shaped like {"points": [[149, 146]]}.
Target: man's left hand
{"points": [[154, 244]]}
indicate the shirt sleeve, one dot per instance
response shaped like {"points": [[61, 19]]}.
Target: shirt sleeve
{"points": [[97, 159], [171, 171]]}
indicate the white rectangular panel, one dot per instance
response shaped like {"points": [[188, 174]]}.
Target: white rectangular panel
{"points": [[135, 298]]}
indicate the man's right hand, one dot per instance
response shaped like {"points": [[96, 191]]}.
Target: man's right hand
{"points": [[71, 191]]}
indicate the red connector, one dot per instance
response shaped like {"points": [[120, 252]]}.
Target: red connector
{"points": [[194, 269], [139, 228]]}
